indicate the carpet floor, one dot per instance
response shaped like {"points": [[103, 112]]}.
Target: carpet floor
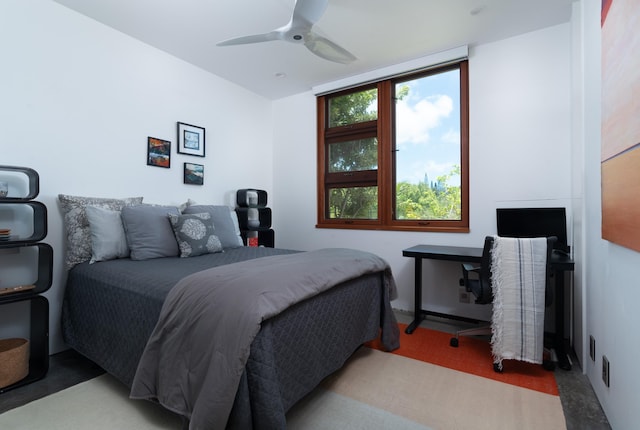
{"points": [[472, 356], [374, 390], [378, 390]]}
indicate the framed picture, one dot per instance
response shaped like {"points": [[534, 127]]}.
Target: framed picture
{"points": [[190, 139], [158, 152], [193, 174]]}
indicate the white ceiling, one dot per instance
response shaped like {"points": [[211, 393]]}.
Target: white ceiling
{"points": [[378, 32]]}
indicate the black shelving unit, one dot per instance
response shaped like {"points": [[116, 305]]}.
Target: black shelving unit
{"points": [[254, 217], [39, 305]]}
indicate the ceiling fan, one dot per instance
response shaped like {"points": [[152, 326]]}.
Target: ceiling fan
{"points": [[299, 29]]}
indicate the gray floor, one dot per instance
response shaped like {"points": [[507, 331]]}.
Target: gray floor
{"points": [[581, 408]]}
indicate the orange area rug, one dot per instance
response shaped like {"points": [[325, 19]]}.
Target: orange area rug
{"points": [[471, 356]]}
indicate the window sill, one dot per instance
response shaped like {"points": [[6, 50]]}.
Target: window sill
{"points": [[373, 225]]}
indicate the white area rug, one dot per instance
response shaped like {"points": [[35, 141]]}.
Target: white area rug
{"points": [[98, 404], [374, 391]]}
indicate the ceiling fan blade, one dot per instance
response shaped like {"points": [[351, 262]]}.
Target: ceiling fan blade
{"points": [[256, 38], [308, 11], [323, 47], [298, 30]]}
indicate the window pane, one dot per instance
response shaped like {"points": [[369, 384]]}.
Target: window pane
{"points": [[357, 202], [353, 108], [427, 143], [353, 155]]}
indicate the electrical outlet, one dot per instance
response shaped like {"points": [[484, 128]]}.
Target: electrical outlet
{"points": [[605, 370], [592, 348], [464, 296]]}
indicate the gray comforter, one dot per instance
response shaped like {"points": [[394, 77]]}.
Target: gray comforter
{"points": [[196, 355]]}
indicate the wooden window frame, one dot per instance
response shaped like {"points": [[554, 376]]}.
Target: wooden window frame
{"points": [[384, 176]]}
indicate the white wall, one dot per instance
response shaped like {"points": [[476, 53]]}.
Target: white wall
{"points": [[519, 151], [610, 271], [78, 100], [77, 103]]}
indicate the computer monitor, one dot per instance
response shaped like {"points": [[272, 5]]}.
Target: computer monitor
{"points": [[534, 222]]}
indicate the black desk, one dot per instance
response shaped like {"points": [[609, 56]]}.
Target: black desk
{"points": [[559, 264]]}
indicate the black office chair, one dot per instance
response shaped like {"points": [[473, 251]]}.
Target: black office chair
{"points": [[481, 288]]}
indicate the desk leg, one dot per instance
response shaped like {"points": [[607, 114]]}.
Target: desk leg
{"points": [[563, 360], [417, 303]]}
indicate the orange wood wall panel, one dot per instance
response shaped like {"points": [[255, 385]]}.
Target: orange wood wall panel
{"points": [[621, 199]]}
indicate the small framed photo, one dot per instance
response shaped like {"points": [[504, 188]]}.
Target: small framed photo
{"points": [[193, 174], [190, 139], [158, 152]]}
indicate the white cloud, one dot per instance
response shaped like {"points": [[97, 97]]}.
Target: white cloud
{"points": [[414, 121], [452, 136]]}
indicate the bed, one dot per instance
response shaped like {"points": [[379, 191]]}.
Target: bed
{"points": [[110, 311]]}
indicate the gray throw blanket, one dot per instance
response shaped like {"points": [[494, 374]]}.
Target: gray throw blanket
{"points": [[195, 357], [518, 268]]}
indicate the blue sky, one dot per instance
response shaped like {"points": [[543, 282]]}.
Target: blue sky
{"points": [[428, 128]]}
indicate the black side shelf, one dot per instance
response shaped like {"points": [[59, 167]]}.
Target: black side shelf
{"points": [[38, 343], [45, 272], [12, 208], [254, 218], [39, 219], [34, 183]]}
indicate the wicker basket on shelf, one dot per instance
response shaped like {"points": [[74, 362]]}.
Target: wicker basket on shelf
{"points": [[14, 360]]}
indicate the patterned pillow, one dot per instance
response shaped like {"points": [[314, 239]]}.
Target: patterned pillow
{"points": [[225, 222], [78, 246], [195, 234]]}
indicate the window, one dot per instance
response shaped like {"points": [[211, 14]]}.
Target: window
{"points": [[394, 155]]}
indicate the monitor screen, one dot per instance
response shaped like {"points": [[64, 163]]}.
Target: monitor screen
{"points": [[534, 222]]}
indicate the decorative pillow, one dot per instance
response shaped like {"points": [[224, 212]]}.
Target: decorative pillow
{"points": [[148, 230], [108, 240], [186, 204], [194, 234], [225, 223], [78, 244]]}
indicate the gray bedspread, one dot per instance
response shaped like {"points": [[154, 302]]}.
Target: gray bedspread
{"points": [[196, 356]]}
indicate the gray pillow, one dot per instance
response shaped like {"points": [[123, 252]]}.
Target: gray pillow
{"points": [[78, 243], [225, 223], [149, 232], [108, 240], [194, 234]]}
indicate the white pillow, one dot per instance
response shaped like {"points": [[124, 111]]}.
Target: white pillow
{"points": [[108, 240]]}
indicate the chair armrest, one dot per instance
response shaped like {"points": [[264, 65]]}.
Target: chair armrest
{"points": [[466, 269]]}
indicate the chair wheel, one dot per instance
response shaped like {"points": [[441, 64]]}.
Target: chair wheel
{"points": [[453, 342], [497, 368]]}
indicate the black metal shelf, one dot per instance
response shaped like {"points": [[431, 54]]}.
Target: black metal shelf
{"points": [[39, 305], [34, 184], [38, 342], [39, 220], [254, 218], [251, 198], [45, 272], [266, 236]]}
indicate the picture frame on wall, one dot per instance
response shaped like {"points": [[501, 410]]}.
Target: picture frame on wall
{"points": [[158, 152], [193, 174], [191, 139]]}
